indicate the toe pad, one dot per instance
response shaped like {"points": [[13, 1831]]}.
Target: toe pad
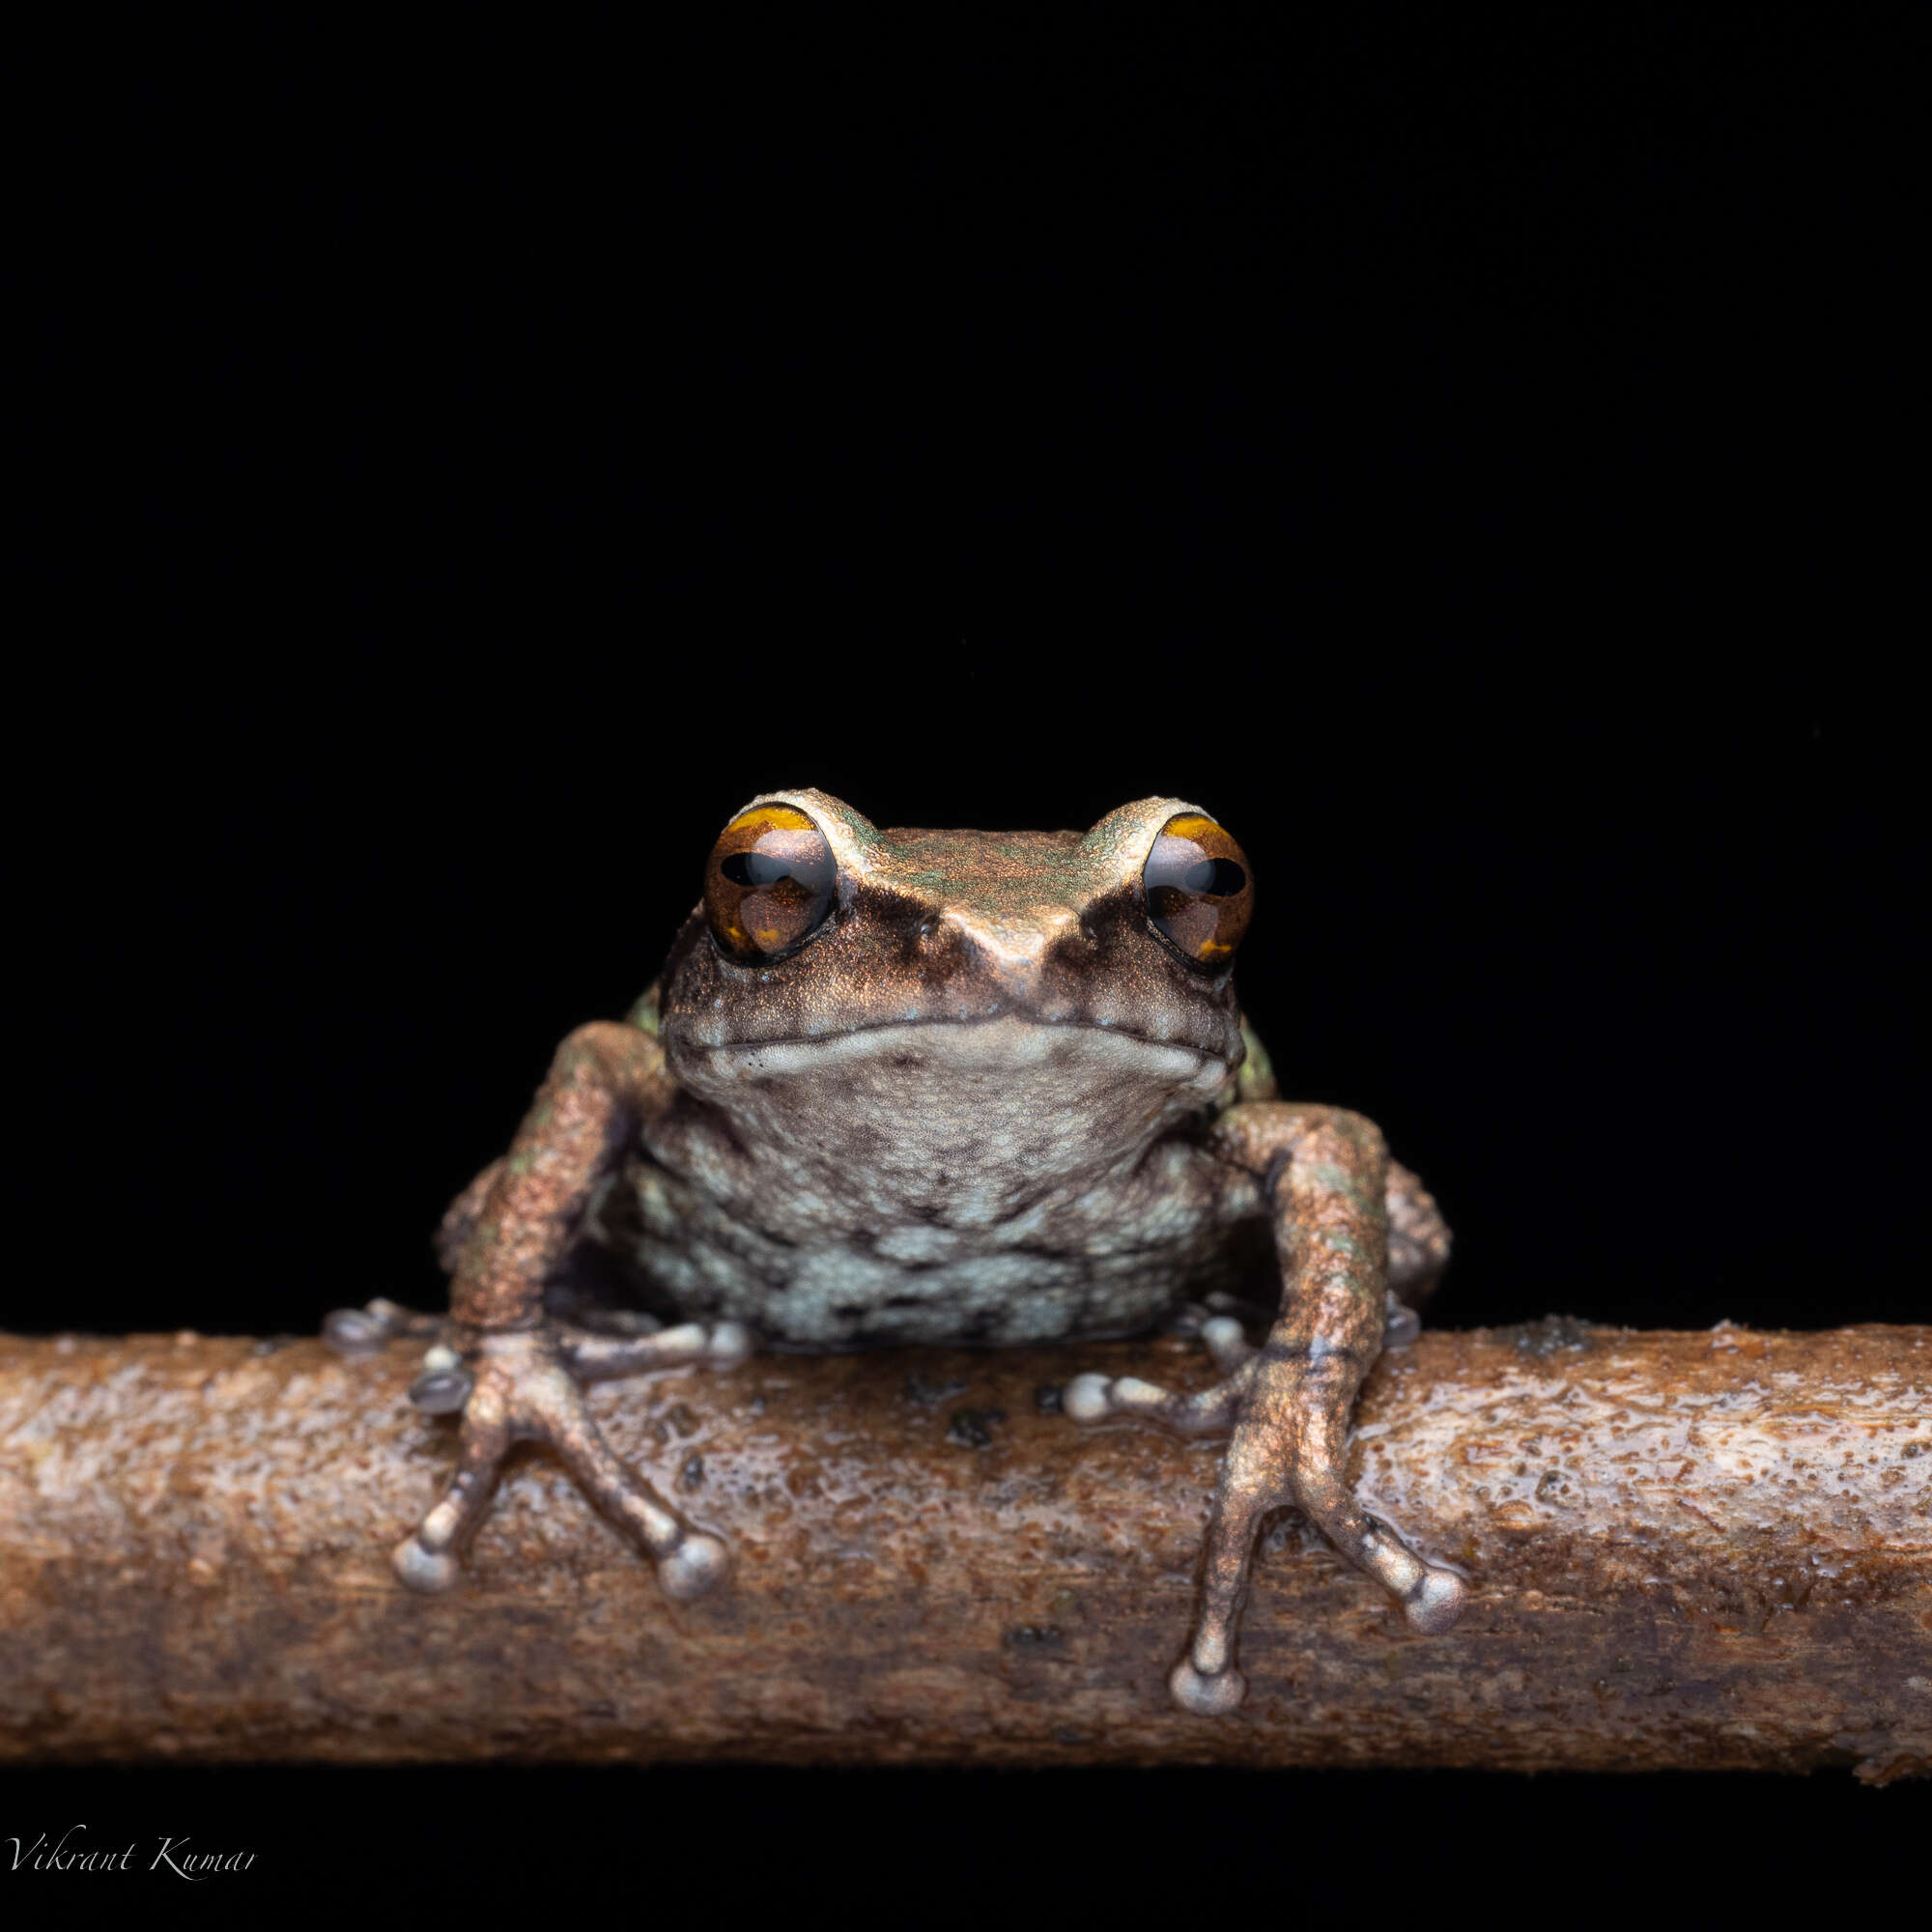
{"points": [[441, 1391], [730, 1344], [1202, 1696], [354, 1331], [691, 1568], [1436, 1603], [1085, 1398], [430, 1571]]}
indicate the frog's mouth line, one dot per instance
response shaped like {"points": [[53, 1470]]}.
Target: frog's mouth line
{"points": [[1015, 1041]]}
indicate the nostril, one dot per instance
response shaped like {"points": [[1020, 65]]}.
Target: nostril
{"points": [[934, 943]]}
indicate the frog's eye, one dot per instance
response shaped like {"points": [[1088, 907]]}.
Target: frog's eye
{"points": [[769, 884], [1199, 890]]}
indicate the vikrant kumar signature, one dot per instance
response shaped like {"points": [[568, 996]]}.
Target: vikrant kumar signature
{"points": [[72, 1852]]}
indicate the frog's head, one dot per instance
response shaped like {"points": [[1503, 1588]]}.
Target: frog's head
{"points": [[852, 988]]}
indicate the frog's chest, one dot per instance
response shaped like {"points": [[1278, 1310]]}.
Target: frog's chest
{"points": [[844, 1265]]}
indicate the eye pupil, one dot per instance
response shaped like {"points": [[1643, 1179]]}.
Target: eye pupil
{"points": [[1215, 878], [756, 868], [770, 883], [1197, 888]]}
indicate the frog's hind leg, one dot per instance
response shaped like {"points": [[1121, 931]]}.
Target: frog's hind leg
{"points": [[1418, 1251], [368, 1329], [522, 1391], [1090, 1398], [603, 1359], [461, 1217]]}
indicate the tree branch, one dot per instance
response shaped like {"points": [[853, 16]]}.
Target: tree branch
{"points": [[1689, 1551]]}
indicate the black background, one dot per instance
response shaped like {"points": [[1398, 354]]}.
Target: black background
{"points": [[1471, 455]]}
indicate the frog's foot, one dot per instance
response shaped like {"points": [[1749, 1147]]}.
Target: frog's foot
{"points": [[368, 1329], [523, 1386], [1229, 1344], [1094, 1398], [1289, 1420], [1290, 1447], [571, 1308], [602, 1358]]}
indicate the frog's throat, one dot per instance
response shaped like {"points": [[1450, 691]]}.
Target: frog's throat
{"points": [[1009, 1041]]}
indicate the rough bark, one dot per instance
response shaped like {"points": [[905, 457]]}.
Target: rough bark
{"points": [[1689, 1551]]}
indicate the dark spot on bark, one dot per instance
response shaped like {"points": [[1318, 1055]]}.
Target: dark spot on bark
{"points": [[973, 1428], [1035, 1637], [928, 1395], [1284, 1528], [1046, 1398], [1554, 1333], [691, 1475]]}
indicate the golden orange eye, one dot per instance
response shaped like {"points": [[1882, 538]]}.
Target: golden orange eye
{"points": [[769, 882], [1199, 890]]}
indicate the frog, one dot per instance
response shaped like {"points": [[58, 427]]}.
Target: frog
{"points": [[902, 1088]]}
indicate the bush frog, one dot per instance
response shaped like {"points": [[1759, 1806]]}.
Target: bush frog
{"points": [[903, 1087]]}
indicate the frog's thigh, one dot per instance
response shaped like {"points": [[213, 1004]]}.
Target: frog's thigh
{"points": [[460, 1219], [1418, 1244]]}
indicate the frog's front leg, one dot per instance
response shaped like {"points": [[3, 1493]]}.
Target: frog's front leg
{"points": [[1324, 1173], [514, 1372]]}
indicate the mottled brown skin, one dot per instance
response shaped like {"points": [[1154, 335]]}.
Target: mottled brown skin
{"points": [[940, 1087]]}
